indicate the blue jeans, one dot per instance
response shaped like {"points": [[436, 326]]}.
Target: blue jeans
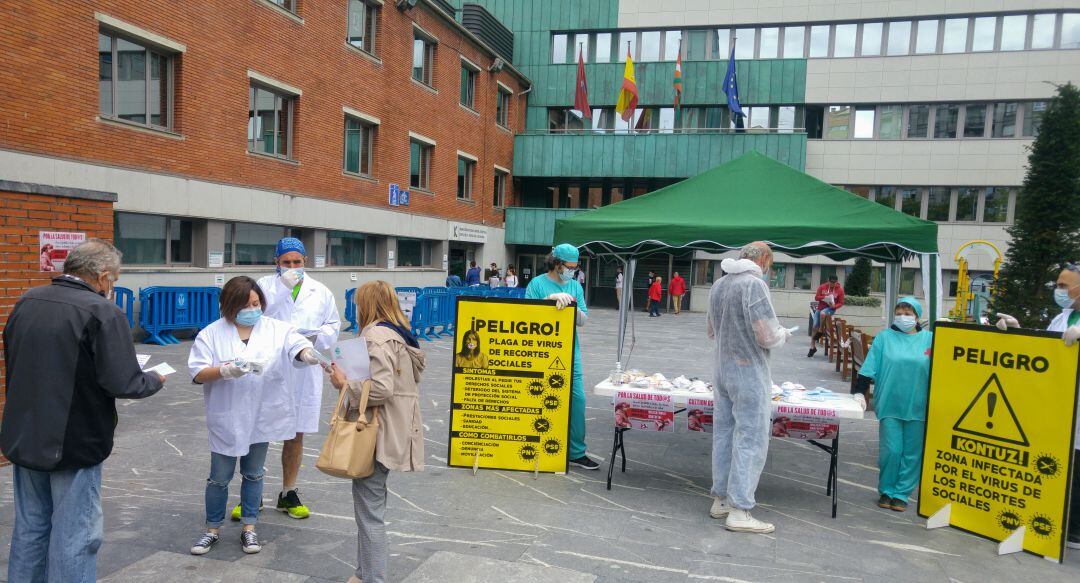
{"points": [[222, 468], [58, 526]]}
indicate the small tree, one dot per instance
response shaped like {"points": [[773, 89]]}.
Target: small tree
{"points": [[1046, 231], [858, 282]]}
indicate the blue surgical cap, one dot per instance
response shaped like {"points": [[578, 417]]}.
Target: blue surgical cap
{"points": [[288, 244], [566, 252], [914, 303]]}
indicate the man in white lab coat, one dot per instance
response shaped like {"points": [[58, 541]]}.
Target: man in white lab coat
{"points": [[296, 298]]}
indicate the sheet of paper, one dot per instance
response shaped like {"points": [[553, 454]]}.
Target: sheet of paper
{"points": [[142, 359], [162, 369], [352, 356]]}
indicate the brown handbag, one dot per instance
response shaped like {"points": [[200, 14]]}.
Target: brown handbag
{"points": [[349, 449]]}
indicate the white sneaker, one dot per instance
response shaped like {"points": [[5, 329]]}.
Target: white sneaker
{"points": [[720, 507], [741, 521]]}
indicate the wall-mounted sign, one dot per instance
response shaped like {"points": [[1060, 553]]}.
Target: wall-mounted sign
{"points": [[467, 232], [398, 196], [53, 248]]}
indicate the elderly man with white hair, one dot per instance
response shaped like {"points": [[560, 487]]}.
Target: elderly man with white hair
{"points": [[69, 356], [742, 322]]}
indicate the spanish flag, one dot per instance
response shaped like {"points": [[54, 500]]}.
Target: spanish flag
{"points": [[628, 96], [678, 89]]}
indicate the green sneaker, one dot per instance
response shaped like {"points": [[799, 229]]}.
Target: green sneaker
{"points": [[236, 512], [291, 505]]}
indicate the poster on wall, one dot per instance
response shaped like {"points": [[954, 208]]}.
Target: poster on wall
{"points": [[53, 249]]}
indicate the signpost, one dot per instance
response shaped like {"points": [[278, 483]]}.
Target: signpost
{"points": [[999, 436], [510, 395]]}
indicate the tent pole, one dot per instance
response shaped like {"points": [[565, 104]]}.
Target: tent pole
{"points": [[892, 290], [626, 303], [931, 275]]}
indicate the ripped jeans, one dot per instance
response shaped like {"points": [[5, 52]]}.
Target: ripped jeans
{"points": [[222, 468]]}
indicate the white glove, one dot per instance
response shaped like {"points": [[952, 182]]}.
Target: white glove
{"points": [[1006, 321], [231, 370], [1071, 335], [561, 299], [307, 356], [860, 399], [793, 329], [291, 277]]}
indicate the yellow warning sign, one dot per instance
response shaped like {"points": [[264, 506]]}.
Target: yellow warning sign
{"points": [[510, 393], [999, 434]]}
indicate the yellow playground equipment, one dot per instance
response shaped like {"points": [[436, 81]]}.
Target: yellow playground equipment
{"points": [[964, 293]]}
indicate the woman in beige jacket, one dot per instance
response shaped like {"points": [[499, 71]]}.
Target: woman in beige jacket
{"points": [[396, 364]]}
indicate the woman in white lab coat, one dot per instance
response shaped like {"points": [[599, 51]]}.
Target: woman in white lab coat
{"points": [[243, 360]]}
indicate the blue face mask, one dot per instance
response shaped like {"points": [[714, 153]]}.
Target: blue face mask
{"points": [[905, 323], [248, 317], [1061, 297], [565, 275]]}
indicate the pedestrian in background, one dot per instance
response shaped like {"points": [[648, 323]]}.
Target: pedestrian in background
{"points": [[656, 295], [830, 297], [511, 277], [68, 355], [293, 296], [494, 278], [396, 362], [618, 285], [677, 289], [244, 362], [472, 275]]}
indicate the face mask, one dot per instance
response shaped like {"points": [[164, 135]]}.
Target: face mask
{"points": [[905, 323], [248, 317], [1061, 296], [472, 346], [566, 275], [293, 276]]}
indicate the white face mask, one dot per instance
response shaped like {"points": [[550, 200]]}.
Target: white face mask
{"points": [[905, 322]]}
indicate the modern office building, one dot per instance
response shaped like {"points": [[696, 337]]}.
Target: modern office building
{"points": [[926, 107], [380, 134]]}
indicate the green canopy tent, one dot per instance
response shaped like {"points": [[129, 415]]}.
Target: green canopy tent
{"points": [[755, 198]]}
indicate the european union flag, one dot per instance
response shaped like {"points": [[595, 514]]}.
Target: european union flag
{"points": [[731, 89]]}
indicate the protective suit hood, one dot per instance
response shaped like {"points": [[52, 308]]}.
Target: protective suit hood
{"points": [[740, 266]]}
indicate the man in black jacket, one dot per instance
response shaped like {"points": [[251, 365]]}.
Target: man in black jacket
{"points": [[69, 356]]}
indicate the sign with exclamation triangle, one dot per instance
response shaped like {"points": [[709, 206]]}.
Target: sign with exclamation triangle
{"points": [[990, 415]]}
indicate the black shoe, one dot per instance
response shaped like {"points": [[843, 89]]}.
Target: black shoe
{"points": [[585, 462], [1072, 542], [812, 352], [205, 543], [898, 505], [884, 501], [249, 541]]}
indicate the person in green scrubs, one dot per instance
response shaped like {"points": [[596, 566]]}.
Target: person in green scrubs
{"points": [[559, 284], [899, 365]]}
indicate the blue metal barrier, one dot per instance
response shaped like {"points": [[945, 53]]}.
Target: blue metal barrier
{"points": [[439, 310], [350, 309], [517, 292], [125, 300], [164, 309], [421, 315]]}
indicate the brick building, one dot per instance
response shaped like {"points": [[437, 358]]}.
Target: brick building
{"points": [[223, 128]]}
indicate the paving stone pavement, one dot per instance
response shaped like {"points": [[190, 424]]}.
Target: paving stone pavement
{"points": [[652, 526]]}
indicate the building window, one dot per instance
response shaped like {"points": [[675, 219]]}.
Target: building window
{"points": [[937, 204], [886, 196], [926, 37], [251, 244], [359, 145], [974, 121], [1004, 120], [627, 41], [420, 165], [468, 86], [697, 45], [721, 45], [864, 123], [1033, 116], [502, 108], [983, 37], [910, 202], [956, 35], [423, 59], [967, 204], [558, 49], [134, 81], [996, 205], [1013, 32], [838, 125], [704, 272], [465, 170], [907, 281], [946, 117], [581, 47], [650, 46], [819, 41], [785, 119], [803, 276], [363, 23], [142, 238], [347, 249], [844, 37], [498, 196], [289, 5], [769, 44], [1042, 31], [794, 41], [602, 51], [877, 280], [778, 276], [891, 116], [413, 252], [672, 44], [270, 122], [918, 121], [744, 43], [871, 39], [1070, 31], [899, 38]]}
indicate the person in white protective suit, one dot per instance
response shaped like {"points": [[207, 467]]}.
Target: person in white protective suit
{"points": [[243, 361], [295, 297], [742, 322]]}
